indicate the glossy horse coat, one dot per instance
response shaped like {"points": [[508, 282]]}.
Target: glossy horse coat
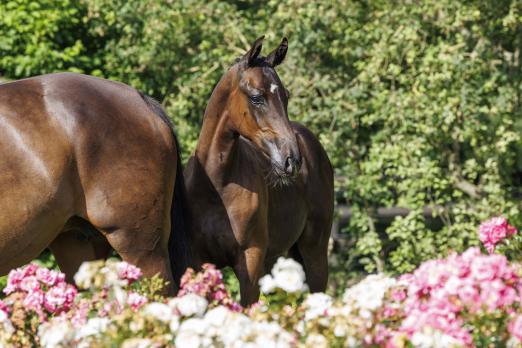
{"points": [[258, 186], [85, 164]]}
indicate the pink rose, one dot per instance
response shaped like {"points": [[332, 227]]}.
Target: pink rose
{"points": [[128, 271], [3, 307], [49, 277], [13, 280], [493, 231], [29, 284], [135, 300], [59, 298], [515, 327], [34, 300]]}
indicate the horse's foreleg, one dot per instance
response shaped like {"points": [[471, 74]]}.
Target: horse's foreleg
{"points": [[311, 250], [249, 269]]}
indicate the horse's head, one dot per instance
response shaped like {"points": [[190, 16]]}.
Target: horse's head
{"points": [[258, 104]]}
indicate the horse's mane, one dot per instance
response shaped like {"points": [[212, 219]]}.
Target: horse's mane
{"points": [[156, 108], [260, 62]]}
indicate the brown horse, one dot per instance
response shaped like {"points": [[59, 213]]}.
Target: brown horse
{"points": [[87, 164], [258, 185]]}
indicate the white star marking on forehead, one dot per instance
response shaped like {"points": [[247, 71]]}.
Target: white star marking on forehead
{"points": [[273, 87]]}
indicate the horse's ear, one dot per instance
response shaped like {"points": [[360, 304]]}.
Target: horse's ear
{"points": [[254, 52], [277, 56]]}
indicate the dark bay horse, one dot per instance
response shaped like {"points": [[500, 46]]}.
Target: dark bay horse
{"points": [[258, 185], [87, 164]]}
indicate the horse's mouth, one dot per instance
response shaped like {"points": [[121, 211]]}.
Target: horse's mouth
{"points": [[277, 177]]}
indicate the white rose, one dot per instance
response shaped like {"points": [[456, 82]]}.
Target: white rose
{"points": [[194, 325], [86, 272], [191, 333], [93, 327], [190, 304], [188, 340], [136, 343], [288, 275], [270, 334], [238, 326], [217, 316], [369, 293], [431, 338], [267, 284], [316, 341], [317, 305], [55, 333], [422, 340], [352, 342], [339, 331], [290, 280], [157, 310], [265, 342], [174, 324], [111, 276], [284, 264], [6, 325]]}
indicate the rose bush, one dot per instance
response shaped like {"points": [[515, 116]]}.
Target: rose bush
{"points": [[472, 299]]}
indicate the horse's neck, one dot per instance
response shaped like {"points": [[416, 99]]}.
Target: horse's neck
{"points": [[218, 141]]}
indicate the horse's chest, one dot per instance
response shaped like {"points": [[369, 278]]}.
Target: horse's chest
{"points": [[226, 225], [287, 217]]}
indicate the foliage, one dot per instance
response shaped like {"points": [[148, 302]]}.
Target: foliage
{"points": [[418, 103], [44, 36]]}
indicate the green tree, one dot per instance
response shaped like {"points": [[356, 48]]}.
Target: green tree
{"points": [[416, 102], [44, 36]]}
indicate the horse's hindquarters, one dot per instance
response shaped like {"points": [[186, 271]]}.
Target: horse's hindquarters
{"points": [[86, 147], [35, 175]]}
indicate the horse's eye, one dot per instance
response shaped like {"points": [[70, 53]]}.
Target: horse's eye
{"points": [[257, 99]]}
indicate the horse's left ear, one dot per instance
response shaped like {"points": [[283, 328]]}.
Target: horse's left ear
{"points": [[254, 51], [277, 56]]}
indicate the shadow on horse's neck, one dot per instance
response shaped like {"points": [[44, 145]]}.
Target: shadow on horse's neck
{"points": [[218, 140]]}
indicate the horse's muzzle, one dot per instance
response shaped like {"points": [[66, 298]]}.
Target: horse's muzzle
{"points": [[292, 165]]}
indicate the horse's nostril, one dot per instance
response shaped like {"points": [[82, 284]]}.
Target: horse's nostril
{"points": [[291, 165], [288, 165]]}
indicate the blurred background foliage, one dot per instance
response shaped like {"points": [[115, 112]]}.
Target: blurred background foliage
{"points": [[418, 103]]}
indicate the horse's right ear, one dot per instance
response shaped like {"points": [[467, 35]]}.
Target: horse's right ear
{"points": [[254, 52]]}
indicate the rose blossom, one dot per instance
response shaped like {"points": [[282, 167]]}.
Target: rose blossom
{"points": [[493, 231], [128, 271], [135, 300], [59, 298], [49, 277], [515, 327]]}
